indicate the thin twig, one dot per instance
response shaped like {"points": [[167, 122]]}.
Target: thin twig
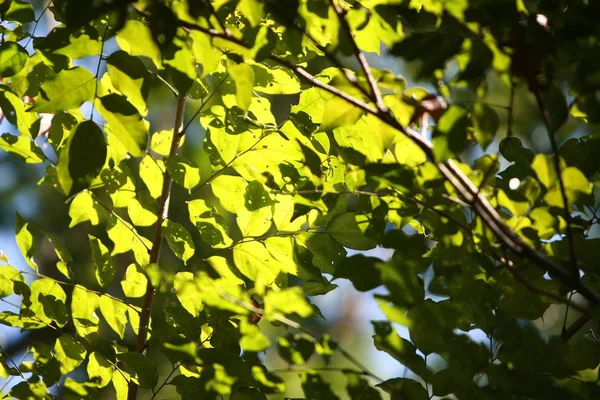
{"points": [[563, 192], [532, 288], [100, 58], [376, 93], [37, 21], [511, 104], [5, 355], [203, 103]]}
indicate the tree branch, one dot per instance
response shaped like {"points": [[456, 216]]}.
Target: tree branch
{"points": [[163, 210]]}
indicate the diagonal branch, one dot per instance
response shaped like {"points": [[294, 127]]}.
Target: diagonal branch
{"points": [[163, 209], [361, 58]]}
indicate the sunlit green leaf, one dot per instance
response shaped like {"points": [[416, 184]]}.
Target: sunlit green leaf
{"points": [[254, 261], [103, 263], [12, 59], [82, 158], [115, 314], [22, 147], [48, 302], [135, 38], [184, 172], [345, 229], [99, 369], [243, 76], [25, 241], [179, 239], [8, 277], [69, 89], [129, 75], [69, 353]]}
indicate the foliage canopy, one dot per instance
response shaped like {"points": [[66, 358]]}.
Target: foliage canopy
{"points": [[482, 182]]}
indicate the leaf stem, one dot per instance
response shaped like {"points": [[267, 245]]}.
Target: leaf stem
{"points": [[163, 210]]}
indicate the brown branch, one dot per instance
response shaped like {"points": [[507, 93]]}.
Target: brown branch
{"points": [[163, 210], [576, 326]]}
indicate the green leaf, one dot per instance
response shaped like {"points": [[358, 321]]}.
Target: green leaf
{"points": [[361, 271], [64, 257], [8, 277], [12, 59], [102, 261], [315, 388], [136, 39], [270, 80], [69, 89], [253, 340], [22, 147], [20, 11], [70, 42], [296, 349], [285, 302], [115, 314], [206, 55], [69, 353], [243, 76], [184, 172], [121, 385], [126, 238], [254, 223], [339, 113], [15, 111], [25, 241], [485, 124], [151, 172], [83, 306], [130, 77], [135, 282], [48, 302], [326, 252], [512, 149], [124, 121], [82, 158], [142, 210], [230, 191], [179, 239], [406, 388], [141, 368], [346, 231], [210, 224], [254, 261], [359, 388], [99, 369], [188, 293], [180, 64], [161, 142], [85, 207], [450, 135]]}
